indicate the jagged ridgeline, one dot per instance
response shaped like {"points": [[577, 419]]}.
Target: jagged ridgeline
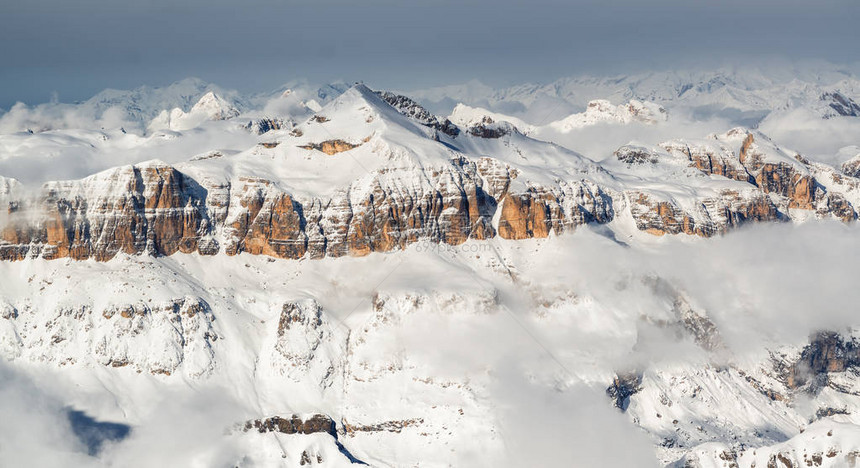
{"points": [[375, 172]]}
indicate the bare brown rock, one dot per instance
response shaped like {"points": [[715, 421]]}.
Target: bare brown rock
{"points": [[524, 216], [538, 212], [277, 229], [330, 147], [740, 210], [715, 215], [826, 353], [746, 157], [787, 181], [712, 164], [663, 217], [716, 160], [155, 209], [838, 206]]}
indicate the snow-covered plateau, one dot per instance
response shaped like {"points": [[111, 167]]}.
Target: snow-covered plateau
{"points": [[651, 270]]}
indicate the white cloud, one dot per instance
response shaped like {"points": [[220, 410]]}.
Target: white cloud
{"points": [[35, 429], [565, 426], [187, 428], [816, 138], [764, 284]]}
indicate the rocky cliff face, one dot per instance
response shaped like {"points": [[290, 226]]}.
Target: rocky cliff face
{"points": [[153, 209], [538, 212], [827, 353], [317, 423], [713, 158], [775, 186], [715, 215], [158, 209]]}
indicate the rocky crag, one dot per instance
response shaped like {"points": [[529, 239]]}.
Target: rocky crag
{"points": [[435, 184]]}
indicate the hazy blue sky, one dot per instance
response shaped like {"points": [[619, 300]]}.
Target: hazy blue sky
{"points": [[78, 48]]}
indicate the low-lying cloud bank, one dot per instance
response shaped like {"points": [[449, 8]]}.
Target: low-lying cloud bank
{"points": [[768, 283], [816, 138], [186, 428], [36, 430]]}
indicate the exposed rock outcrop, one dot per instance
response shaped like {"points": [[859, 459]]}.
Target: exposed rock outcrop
{"points": [[841, 105], [827, 353], [851, 168], [527, 215], [317, 423], [623, 387], [783, 179], [775, 184], [714, 216], [331, 147], [539, 212], [412, 109], [133, 209], [631, 154], [267, 124], [156, 209], [387, 426], [487, 128], [153, 208], [713, 159]]}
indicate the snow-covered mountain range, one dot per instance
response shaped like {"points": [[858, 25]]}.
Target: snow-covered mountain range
{"points": [[532, 276]]}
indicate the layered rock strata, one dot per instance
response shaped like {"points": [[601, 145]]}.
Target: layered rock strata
{"points": [[157, 209]]}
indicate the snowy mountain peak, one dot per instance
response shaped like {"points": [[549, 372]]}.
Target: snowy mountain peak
{"points": [[353, 98], [361, 110], [215, 107], [467, 116], [209, 107], [840, 105], [415, 111], [603, 111]]}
